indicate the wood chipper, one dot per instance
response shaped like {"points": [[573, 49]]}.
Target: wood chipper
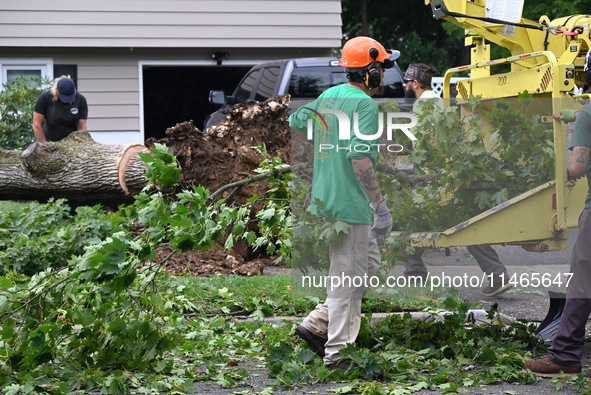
{"points": [[547, 59]]}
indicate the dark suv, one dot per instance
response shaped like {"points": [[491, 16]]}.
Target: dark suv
{"points": [[304, 79]]}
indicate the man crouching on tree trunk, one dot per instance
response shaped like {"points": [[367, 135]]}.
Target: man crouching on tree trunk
{"points": [[344, 181]]}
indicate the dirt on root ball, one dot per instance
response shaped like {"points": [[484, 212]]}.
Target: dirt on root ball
{"points": [[207, 263], [224, 155]]}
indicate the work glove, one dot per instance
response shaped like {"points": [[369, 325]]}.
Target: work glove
{"points": [[382, 223], [566, 115]]}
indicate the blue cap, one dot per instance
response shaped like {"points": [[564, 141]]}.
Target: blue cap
{"points": [[66, 90]]}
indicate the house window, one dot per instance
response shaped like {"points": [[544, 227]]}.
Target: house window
{"points": [[17, 73], [30, 68]]}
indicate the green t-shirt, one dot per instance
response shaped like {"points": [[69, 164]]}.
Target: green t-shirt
{"points": [[582, 138], [334, 182]]}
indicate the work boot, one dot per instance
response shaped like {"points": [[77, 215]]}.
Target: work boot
{"points": [[499, 285], [315, 342], [547, 368], [342, 365]]}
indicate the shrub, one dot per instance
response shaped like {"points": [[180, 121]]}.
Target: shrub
{"points": [[45, 235], [17, 102]]}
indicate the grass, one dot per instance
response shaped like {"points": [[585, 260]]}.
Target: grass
{"points": [[269, 295]]}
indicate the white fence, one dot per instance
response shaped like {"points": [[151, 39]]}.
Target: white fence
{"points": [[437, 83]]}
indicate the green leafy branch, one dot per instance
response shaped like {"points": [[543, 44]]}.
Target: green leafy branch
{"points": [[471, 157], [96, 306]]}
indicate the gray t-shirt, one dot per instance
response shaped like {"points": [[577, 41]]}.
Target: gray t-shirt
{"points": [[582, 138]]}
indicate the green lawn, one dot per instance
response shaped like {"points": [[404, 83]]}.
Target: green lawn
{"points": [[269, 295]]}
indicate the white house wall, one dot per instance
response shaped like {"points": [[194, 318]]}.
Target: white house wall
{"points": [[171, 23]]}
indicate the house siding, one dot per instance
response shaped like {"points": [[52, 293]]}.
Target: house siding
{"points": [[171, 24]]}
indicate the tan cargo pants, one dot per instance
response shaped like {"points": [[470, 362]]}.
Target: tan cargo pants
{"points": [[351, 264]]}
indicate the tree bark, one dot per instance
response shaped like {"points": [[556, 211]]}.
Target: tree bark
{"points": [[76, 168]]}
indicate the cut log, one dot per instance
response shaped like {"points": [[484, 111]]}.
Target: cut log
{"points": [[76, 168]]}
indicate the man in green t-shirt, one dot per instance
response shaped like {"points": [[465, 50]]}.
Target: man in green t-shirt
{"points": [[346, 136], [565, 354]]}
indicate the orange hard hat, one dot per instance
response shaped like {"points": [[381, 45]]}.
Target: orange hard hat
{"points": [[360, 51]]}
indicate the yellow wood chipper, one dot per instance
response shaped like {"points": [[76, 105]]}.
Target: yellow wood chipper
{"points": [[547, 60]]}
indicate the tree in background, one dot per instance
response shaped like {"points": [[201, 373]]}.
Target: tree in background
{"points": [[554, 8], [408, 26]]}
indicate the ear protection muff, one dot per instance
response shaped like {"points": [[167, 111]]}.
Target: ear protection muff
{"points": [[373, 77]]}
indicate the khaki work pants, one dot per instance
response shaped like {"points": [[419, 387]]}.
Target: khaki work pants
{"points": [[339, 318]]}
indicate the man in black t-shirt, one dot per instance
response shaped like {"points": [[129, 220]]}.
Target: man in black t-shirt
{"points": [[59, 111]]}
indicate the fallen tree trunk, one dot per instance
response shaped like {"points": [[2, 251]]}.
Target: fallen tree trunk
{"points": [[76, 168]]}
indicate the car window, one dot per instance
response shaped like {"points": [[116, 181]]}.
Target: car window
{"points": [[243, 90], [266, 87], [312, 81], [392, 84]]}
